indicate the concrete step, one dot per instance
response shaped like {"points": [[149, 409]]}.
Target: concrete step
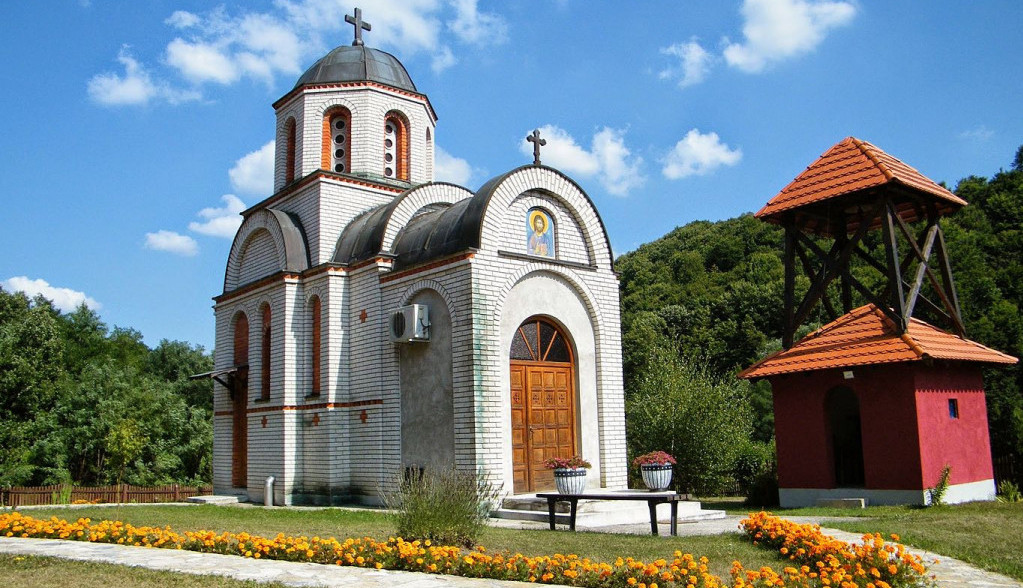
{"points": [[216, 499]]}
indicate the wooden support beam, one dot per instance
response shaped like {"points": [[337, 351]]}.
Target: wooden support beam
{"points": [[922, 269], [891, 248], [950, 292], [789, 260]]}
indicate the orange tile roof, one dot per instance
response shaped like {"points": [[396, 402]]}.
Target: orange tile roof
{"points": [[865, 336], [853, 166]]}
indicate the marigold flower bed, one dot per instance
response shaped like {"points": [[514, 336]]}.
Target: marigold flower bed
{"points": [[828, 557], [826, 561]]}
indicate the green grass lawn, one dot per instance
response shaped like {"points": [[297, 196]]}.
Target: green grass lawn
{"points": [[721, 550], [29, 571]]}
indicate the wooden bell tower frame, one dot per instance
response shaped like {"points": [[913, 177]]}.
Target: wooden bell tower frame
{"points": [[851, 190]]}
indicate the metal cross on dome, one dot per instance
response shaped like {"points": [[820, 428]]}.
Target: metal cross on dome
{"points": [[537, 143], [359, 25]]}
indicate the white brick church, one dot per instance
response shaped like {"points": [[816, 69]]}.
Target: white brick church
{"points": [[373, 319]]}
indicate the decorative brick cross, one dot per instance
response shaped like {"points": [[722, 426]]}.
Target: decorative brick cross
{"points": [[537, 143], [359, 25]]}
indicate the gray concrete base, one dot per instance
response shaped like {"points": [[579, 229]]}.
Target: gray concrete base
{"points": [[957, 493]]}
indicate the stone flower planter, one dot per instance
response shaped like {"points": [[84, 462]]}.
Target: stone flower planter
{"points": [[656, 476], [570, 480]]}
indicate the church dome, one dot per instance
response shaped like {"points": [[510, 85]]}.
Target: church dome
{"points": [[358, 63]]}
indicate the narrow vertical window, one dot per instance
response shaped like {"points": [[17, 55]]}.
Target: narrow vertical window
{"points": [[289, 154], [953, 408], [396, 151], [337, 130], [314, 352], [265, 356]]}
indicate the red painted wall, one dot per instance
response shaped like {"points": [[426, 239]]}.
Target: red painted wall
{"points": [[907, 433], [962, 443], [891, 454], [800, 430]]}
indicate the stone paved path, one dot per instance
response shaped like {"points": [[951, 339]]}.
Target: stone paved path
{"points": [[949, 572]]}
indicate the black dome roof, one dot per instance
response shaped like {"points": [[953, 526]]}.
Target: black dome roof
{"points": [[358, 63]]}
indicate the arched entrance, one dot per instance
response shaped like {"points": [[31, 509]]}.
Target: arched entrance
{"points": [[843, 411], [543, 411]]}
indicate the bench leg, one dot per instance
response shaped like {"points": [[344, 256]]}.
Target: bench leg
{"points": [[653, 516], [674, 518], [550, 512], [571, 517]]}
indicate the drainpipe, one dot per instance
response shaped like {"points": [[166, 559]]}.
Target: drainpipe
{"points": [[268, 491]]}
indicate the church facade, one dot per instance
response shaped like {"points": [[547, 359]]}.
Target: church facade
{"points": [[374, 320]]}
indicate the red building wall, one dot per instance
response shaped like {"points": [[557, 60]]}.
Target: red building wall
{"points": [[800, 431], [962, 443], [907, 433]]}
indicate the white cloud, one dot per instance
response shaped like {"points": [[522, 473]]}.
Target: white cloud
{"points": [[448, 168], [694, 63], [254, 172], [778, 29], [608, 159], [220, 222], [135, 88], [979, 133], [475, 28], [619, 172], [182, 19], [65, 299], [201, 62], [698, 154], [172, 242]]}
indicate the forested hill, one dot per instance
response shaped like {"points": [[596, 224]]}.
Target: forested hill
{"points": [[90, 405], [713, 290]]}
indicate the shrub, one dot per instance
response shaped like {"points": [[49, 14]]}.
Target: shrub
{"points": [[446, 506], [937, 494], [1007, 490], [701, 419]]}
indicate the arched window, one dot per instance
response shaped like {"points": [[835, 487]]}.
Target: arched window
{"points": [[539, 340], [337, 134], [265, 355], [289, 154], [239, 403], [314, 342], [396, 151]]}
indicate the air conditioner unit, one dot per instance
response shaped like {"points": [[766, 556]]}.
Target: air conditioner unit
{"points": [[410, 323]]}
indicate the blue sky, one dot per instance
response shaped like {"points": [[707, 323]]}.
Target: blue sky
{"points": [[133, 132]]}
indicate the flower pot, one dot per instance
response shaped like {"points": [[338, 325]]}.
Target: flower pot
{"points": [[656, 476], [570, 480]]}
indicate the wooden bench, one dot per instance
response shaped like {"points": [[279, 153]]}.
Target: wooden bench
{"points": [[652, 500]]}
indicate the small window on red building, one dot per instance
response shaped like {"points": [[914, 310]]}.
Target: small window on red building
{"points": [[953, 408]]}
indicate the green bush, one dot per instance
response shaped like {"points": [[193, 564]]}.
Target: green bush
{"points": [[1009, 492], [448, 507], [937, 494], [702, 419], [756, 471]]}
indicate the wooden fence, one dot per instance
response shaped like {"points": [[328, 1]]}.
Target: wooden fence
{"points": [[125, 493], [1007, 469]]}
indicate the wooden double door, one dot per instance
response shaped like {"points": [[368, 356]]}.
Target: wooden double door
{"points": [[542, 406]]}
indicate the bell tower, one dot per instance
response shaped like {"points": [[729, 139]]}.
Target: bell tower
{"points": [[855, 188], [356, 130]]}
